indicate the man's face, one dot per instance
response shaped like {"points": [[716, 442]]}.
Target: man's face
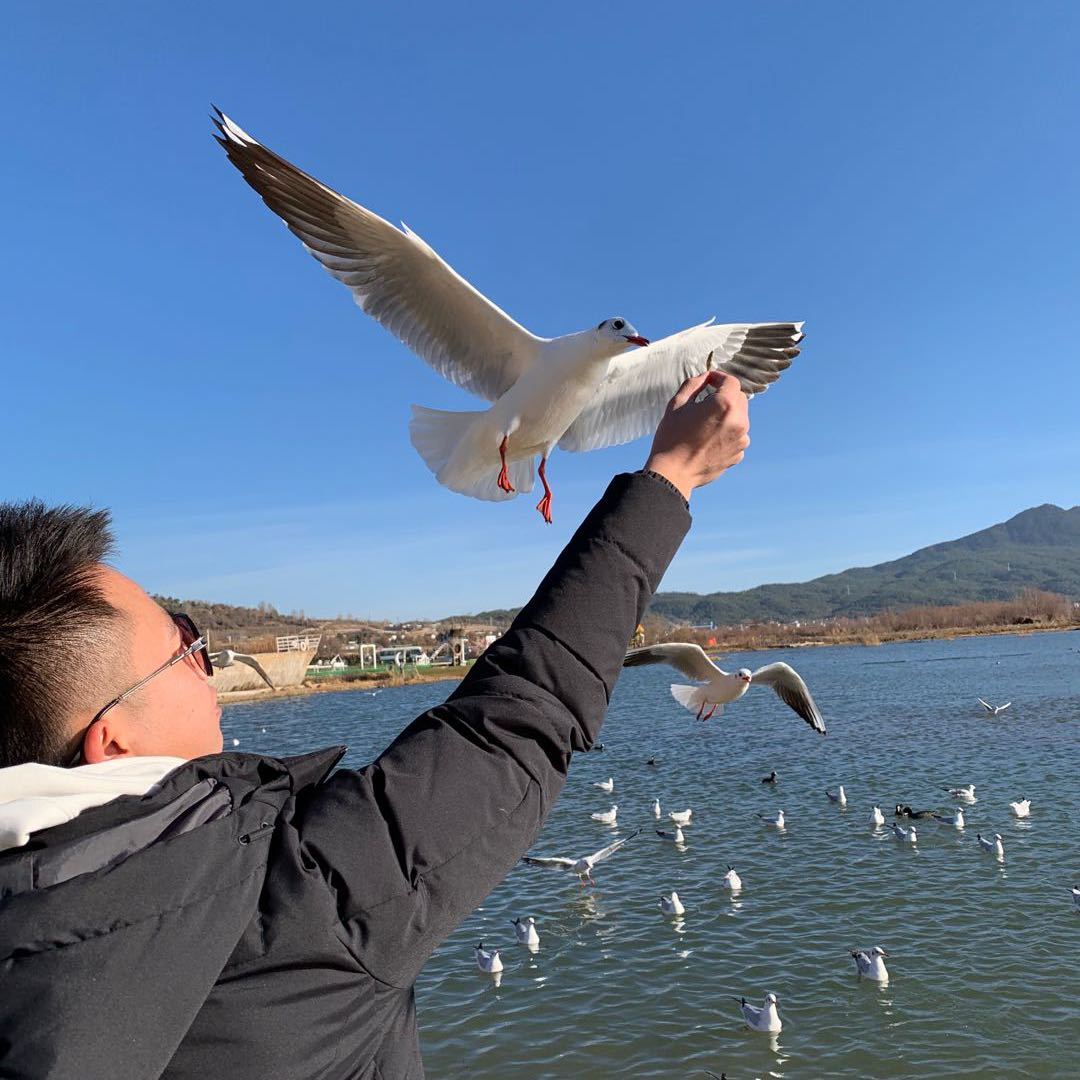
{"points": [[176, 713]]}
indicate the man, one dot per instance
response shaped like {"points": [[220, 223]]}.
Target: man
{"points": [[170, 910]]}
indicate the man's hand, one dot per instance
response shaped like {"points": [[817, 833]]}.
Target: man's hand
{"points": [[697, 440]]}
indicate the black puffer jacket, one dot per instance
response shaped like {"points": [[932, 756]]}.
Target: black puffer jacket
{"points": [[260, 918]]}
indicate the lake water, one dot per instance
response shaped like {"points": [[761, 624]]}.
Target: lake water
{"points": [[984, 956]]}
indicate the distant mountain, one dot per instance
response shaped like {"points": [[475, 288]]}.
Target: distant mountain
{"points": [[1038, 548]]}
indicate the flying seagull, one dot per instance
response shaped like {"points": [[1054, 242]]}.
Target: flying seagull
{"points": [[581, 391], [870, 963], [582, 866], [993, 710], [226, 658], [719, 687]]}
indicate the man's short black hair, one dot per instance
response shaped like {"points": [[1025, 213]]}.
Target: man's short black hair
{"points": [[56, 627]]}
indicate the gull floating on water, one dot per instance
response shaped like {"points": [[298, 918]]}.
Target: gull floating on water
{"points": [[956, 819], [869, 963], [656, 811], [582, 866], [672, 905], [681, 817], [526, 932], [732, 880], [995, 846], [771, 778], [776, 820], [607, 816], [488, 960], [1022, 808], [839, 797], [993, 710], [967, 793], [577, 392], [877, 817], [907, 835], [767, 1018], [675, 837], [719, 687], [607, 785], [1076, 895]]}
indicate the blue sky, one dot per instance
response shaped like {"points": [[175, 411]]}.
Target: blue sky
{"points": [[903, 178]]}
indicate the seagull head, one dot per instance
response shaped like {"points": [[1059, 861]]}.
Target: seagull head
{"points": [[745, 674], [877, 950], [771, 999], [618, 329]]}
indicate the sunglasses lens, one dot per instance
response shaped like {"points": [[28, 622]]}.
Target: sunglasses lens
{"points": [[189, 634]]}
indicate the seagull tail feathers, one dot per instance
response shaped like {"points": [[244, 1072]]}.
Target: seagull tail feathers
{"points": [[451, 444], [689, 697]]}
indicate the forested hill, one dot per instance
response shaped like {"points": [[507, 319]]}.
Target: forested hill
{"points": [[1038, 548]]}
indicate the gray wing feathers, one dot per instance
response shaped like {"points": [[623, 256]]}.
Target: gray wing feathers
{"points": [[631, 400], [394, 275], [791, 690]]}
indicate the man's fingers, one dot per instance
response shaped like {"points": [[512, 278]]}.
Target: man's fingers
{"points": [[692, 387]]}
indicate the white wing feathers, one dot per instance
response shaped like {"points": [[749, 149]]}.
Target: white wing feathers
{"points": [[395, 277], [631, 400], [689, 659]]}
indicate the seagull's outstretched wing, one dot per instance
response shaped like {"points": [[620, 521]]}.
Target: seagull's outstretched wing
{"points": [[631, 400], [243, 658], [790, 688], [689, 659], [985, 704], [604, 852], [394, 276], [1002, 708], [556, 863]]}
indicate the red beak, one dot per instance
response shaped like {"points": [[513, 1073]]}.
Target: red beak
{"points": [[635, 340]]}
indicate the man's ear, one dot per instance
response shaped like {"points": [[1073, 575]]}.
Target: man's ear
{"points": [[106, 739]]}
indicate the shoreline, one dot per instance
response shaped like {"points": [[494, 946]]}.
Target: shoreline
{"points": [[384, 681]]}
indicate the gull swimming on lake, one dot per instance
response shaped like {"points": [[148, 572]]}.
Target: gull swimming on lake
{"points": [[582, 866], [966, 793], [839, 797], [776, 821], [956, 820], [720, 687], [907, 835], [767, 1018], [877, 818], [675, 837], [656, 811], [577, 392], [607, 816], [995, 846], [526, 932], [607, 785], [672, 905], [732, 880], [1076, 895], [488, 959], [870, 963], [224, 658], [1021, 808], [993, 710], [681, 817]]}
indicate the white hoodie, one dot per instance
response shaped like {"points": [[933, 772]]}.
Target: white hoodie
{"points": [[34, 797]]}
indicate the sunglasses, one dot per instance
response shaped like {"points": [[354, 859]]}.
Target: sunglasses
{"points": [[192, 648]]}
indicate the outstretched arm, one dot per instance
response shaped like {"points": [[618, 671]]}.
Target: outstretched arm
{"points": [[412, 843]]}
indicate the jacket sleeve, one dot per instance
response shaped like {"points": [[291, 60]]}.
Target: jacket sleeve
{"points": [[413, 843]]}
